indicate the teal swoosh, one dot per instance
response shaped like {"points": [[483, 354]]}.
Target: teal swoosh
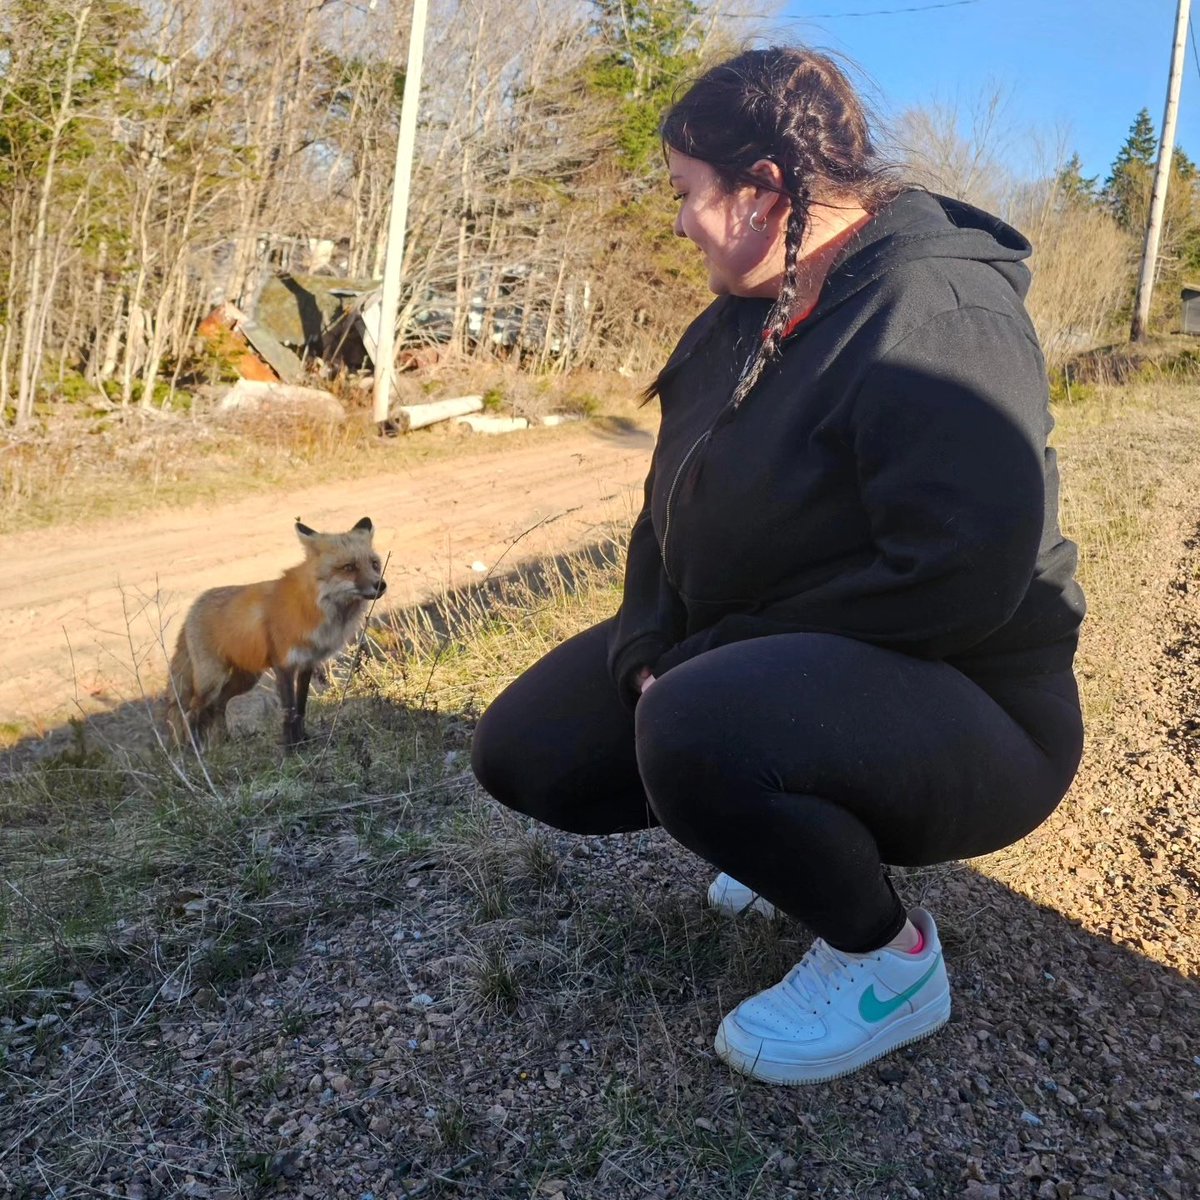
{"points": [[872, 1009]]}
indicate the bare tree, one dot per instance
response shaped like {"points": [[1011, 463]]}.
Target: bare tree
{"points": [[166, 154]]}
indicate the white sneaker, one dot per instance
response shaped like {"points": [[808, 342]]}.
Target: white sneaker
{"points": [[726, 895], [833, 1012]]}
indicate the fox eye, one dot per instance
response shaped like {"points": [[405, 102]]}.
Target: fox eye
{"points": [[374, 564], [346, 567]]}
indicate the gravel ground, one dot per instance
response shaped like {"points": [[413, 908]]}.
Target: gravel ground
{"points": [[502, 1012]]}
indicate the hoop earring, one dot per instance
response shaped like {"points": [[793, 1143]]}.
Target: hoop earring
{"points": [[758, 228]]}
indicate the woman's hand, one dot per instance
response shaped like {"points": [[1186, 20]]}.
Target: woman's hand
{"points": [[642, 680]]}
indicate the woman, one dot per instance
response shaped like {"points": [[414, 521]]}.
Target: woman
{"points": [[849, 616]]}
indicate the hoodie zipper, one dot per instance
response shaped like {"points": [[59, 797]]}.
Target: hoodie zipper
{"points": [[671, 496], [683, 465]]}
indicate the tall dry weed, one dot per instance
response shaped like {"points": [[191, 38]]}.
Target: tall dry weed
{"points": [[1082, 266]]}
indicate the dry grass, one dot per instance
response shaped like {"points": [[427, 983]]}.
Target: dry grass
{"points": [[195, 956], [1082, 265], [79, 467], [1119, 448]]}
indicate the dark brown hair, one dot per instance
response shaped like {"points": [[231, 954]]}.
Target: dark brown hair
{"points": [[797, 108]]}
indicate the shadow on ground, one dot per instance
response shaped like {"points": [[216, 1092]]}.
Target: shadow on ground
{"points": [[403, 990], [138, 724], [461, 1021]]}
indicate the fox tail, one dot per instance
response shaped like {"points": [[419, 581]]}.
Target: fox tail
{"points": [[181, 689]]}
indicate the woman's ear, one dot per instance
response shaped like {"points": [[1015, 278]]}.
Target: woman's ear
{"points": [[770, 191]]}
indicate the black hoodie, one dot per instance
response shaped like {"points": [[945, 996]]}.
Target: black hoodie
{"points": [[887, 479]]}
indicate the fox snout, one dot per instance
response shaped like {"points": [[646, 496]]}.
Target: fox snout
{"points": [[373, 593]]}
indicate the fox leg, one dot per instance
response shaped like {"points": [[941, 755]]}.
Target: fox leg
{"points": [[211, 693], [237, 683], [193, 693], [303, 679], [201, 719], [285, 684]]}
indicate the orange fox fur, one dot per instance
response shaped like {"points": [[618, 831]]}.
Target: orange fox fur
{"points": [[231, 635]]}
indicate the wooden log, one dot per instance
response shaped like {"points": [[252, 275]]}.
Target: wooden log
{"points": [[483, 423], [416, 416]]}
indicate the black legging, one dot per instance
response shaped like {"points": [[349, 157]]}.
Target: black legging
{"points": [[798, 763]]}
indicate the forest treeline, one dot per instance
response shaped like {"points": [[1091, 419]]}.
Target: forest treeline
{"points": [[158, 157]]}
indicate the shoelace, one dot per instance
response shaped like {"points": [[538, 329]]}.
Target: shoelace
{"points": [[817, 974]]}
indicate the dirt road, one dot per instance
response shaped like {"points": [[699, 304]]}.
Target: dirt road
{"points": [[85, 614]]}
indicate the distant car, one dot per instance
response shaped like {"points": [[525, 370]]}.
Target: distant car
{"points": [[433, 321]]}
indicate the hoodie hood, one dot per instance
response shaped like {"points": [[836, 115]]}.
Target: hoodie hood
{"points": [[916, 225], [919, 225]]}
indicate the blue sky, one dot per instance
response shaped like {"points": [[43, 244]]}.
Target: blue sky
{"points": [[1085, 66]]}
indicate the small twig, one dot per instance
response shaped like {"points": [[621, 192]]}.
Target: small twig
{"points": [[566, 512], [437, 658], [425, 1184], [173, 698], [74, 672]]}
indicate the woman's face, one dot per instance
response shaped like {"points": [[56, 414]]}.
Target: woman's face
{"points": [[741, 261]]}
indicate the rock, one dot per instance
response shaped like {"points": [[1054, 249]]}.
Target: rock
{"points": [[255, 711], [282, 399], [980, 1191]]}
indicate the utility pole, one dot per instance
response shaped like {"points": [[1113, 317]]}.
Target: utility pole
{"points": [[1162, 176], [393, 259]]}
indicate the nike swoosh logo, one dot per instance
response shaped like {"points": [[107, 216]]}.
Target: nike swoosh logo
{"points": [[872, 1009]]}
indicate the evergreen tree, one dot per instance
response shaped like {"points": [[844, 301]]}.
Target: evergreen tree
{"points": [[1073, 189], [648, 47], [1127, 189]]}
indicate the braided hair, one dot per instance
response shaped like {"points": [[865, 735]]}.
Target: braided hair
{"points": [[796, 108]]}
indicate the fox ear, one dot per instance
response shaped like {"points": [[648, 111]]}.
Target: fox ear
{"points": [[365, 523], [303, 530]]}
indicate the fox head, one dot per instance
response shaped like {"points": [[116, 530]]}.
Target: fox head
{"points": [[346, 566]]}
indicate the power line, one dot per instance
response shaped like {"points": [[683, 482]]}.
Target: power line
{"points": [[1195, 56], [873, 12], [885, 12]]}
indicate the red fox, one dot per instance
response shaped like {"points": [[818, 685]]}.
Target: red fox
{"points": [[231, 635]]}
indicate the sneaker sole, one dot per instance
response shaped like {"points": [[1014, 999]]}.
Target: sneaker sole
{"points": [[763, 907], [899, 1034], [759, 905]]}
